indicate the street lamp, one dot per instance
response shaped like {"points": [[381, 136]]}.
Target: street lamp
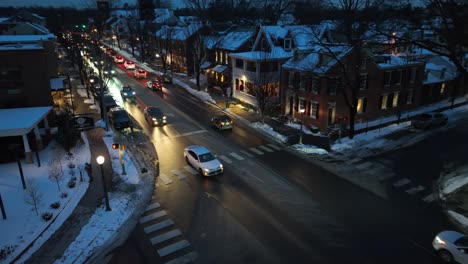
{"points": [[302, 122], [100, 161]]}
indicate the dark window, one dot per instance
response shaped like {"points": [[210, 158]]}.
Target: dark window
{"points": [[264, 66], [250, 89], [316, 85], [274, 66], [387, 78], [251, 66], [239, 64]]}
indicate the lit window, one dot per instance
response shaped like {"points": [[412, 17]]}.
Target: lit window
{"points": [[383, 102], [442, 89], [395, 99], [361, 105]]}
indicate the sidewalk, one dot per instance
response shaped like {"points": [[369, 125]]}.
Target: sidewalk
{"points": [[70, 229]]}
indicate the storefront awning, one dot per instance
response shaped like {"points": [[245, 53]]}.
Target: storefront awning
{"points": [[56, 84], [220, 68], [205, 65]]}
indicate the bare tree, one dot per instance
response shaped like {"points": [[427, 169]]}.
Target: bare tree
{"points": [[264, 88], [56, 172], [33, 196], [164, 42], [199, 55], [273, 9]]}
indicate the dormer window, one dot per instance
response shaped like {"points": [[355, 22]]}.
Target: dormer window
{"points": [[287, 44]]}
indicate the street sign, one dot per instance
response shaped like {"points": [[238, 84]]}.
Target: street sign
{"points": [[82, 123]]}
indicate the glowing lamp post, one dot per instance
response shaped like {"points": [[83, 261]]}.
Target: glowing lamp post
{"points": [[100, 160], [302, 122]]}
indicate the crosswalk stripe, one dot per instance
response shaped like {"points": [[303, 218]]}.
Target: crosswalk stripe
{"points": [[173, 248], [190, 169], [187, 258], [415, 189], [236, 156], [256, 151], [152, 206], [179, 174], [246, 153], [166, 180], [226, 159], [274, 146], [165, 236], [430, 198], [401, 182], [152, 216], [158, 226], [265, 148]]}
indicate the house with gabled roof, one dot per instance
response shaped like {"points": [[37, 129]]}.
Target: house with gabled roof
{"points": [[259, 69], [220, 68]]}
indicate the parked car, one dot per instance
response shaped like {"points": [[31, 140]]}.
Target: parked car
{"points": [[203, 161], [129, 65], [166, 78], [451, 246], [154, 85], [119, 118], [428, 120], [109, 102], [127, 92], [140, 73], [155, 116], [119, 59], [222, 122]]}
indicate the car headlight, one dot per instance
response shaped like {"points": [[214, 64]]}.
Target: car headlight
{"points": [[222, 123], [221, 166], [206, 170], [164, 117], [439, 241], [154, 119], [133, 93], [125, 94], [112, 71]]}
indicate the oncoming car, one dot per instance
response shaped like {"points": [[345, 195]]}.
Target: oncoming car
{"points": [[154, 116], [203, 161], [222, 122]]}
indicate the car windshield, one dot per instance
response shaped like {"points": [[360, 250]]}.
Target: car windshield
{"points": [[224, 119], [153, 111], [127, 88], [206, 157]]}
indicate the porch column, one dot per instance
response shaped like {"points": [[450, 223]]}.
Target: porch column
{"points": [[46, 125], [27, 150], [39, 143]]}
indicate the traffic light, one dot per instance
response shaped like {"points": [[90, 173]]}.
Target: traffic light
{"points": [[337, 120], [345, 119], [115, 146]]}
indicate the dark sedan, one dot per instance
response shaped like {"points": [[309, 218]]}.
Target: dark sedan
{"points": [[222, 122], [119, 118], [155, 116]]}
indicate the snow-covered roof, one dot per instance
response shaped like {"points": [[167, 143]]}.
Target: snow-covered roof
{"points": [[235, 39], [20, 46], [384, 61], [439, 69], [178, 33], [25, 38], [19, 121], [276, 53], [56, 84], [161, 15], [319, 61], [210, 41]]}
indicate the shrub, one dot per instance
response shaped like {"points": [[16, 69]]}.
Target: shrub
{"points": [[71, 165], [64, 195], [55, 205], [71, 183], [6, 250], [47, 216]]}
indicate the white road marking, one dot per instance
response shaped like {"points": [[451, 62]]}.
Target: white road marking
{"points": [[187, 258], [166, 180], [173, 248], [235, 155], [274, 146], [165, 236], [152, 206], [179, 174], [401, 182], [191, 170], [158, 226], [152, 216], [185, 134], [265, 148], [246, 153], [226, 159], [256, 151], [430, 198], [415, 189]]}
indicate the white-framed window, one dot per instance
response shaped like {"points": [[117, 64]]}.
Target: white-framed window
{"points": [[361, 105], [287, 44], [316, 85], [410, 96], [314, 110], [383, 101], [396, 95], [363, 82], [302, 104]]}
